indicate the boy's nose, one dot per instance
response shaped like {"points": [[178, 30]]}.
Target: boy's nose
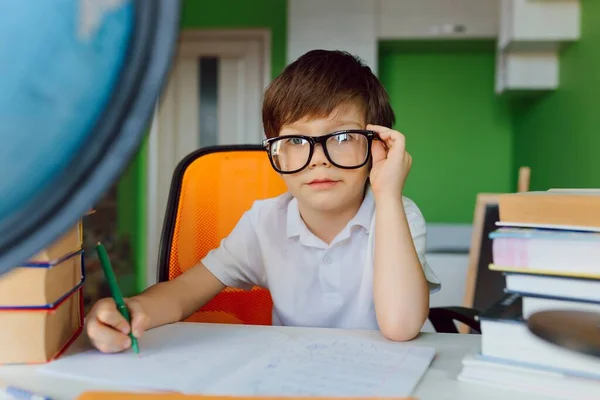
{"points": [[318, 157]]}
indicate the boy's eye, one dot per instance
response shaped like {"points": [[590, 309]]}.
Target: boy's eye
{"points": [[343, 137], [295, 141]]}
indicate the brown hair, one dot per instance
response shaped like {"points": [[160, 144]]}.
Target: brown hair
{"points": [[316, 83]]}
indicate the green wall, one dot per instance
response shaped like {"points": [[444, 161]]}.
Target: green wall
{"points": [[464, 139], [558, 134], [196, 14], [131, 222], [458, 132]]}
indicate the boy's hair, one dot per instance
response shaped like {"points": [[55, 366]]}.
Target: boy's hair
{"points": [[316, 83]]}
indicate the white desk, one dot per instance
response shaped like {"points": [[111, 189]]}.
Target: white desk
{"points": [[439, 383]]}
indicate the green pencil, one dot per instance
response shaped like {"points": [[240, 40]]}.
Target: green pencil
{"points": [[116, 292]]}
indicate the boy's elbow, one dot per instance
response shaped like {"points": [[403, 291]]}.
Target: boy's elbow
{"points": [[399, 329], [399, 333]]}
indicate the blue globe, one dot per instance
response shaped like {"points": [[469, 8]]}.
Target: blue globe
{"points": [[59, 63]]}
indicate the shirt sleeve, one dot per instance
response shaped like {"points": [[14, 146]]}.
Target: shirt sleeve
{"points": [[237, 262], [418, 230]]}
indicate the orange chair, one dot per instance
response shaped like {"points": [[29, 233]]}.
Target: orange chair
{"points": [[210, 190]]}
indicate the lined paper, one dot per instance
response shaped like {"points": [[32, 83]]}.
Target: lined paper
{"points": [[223, 360]]}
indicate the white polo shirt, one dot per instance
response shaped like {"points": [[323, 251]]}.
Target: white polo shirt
{"points": [[312, 284]]}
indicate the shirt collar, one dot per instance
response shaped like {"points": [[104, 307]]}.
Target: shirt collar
{"points": [[364, 214], [362, 218], [294, 221]]}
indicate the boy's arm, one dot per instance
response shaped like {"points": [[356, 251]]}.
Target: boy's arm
{"points": [[175, 300], [400, 289], [237, 262], [161, 304]]}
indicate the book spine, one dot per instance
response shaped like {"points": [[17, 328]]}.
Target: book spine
{"points": [[550, 210]]}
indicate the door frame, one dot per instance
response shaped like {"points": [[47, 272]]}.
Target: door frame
{"points": [[164, 119]]}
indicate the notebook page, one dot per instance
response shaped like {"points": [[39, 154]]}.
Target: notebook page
{"points": [[178, 357], [331, 365], [232, 361]]}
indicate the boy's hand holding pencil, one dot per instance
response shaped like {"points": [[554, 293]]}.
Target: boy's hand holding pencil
{"points": [[108, 329], [115, 324]]}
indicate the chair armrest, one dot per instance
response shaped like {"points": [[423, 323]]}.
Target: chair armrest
{"points": [[442, 318]]}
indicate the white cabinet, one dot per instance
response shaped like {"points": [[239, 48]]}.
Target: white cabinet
{"points": [[438, 19], [526, 71], [532, 34], [538, 25]]}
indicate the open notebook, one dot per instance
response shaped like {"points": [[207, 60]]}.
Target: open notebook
{"points": [[249, 361]]}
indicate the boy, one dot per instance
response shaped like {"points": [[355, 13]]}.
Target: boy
{"points": [[328, 125]]}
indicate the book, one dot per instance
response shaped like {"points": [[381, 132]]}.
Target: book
{"points": [[41, 285], [482, 370], [553, 286], [505, 337], [69, 243], [572, 209], [534, 304], [563, 252], [542, 271], [33, 336]]}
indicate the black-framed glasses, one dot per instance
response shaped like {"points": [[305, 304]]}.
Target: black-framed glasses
{"points": [[348, 149]]}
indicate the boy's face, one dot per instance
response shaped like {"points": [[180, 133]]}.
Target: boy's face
{"points": [[320, 185]]}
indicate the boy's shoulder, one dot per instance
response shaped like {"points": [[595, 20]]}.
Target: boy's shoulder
{"points": [[272, 207], [410, 206], [415, 217]]}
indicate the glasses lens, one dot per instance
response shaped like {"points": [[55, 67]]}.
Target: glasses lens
{"points": [[348, 149], [290, 153]]}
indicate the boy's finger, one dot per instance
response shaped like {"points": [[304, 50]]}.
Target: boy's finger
{"points": [[389, 136], [112, 317], [139, 319], [377, 128], [139, 323], [396, 140], [106, 339], [382, 131], [378, 151]]}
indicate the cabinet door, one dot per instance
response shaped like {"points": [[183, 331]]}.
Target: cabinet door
{"points": [[430, 19], [527, 25]]}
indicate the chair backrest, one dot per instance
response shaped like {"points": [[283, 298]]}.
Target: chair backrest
{"points": [[210, 190], [484, 287], [489, 287]]}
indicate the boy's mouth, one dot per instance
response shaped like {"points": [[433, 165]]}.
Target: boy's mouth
{"points": [[322, 183]]}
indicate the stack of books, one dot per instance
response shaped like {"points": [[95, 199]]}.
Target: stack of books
{"points": [[547, 245], [41, 302]]}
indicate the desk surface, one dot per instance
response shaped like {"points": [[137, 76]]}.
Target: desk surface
{"points": [[439, 382]]}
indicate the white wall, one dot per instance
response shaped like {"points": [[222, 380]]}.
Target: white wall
{"points": [[348, 25]]}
